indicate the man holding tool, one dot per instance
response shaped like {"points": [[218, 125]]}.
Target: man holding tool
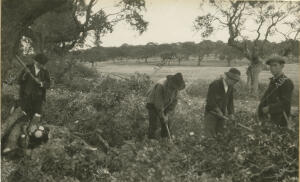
{"points": [[275, 105], [33, 81], [162, 99], [33, 85], [219, 102]]}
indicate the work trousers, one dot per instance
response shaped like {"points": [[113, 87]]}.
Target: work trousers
{"points": [[31, 104], [154, 121], [212, 125]]}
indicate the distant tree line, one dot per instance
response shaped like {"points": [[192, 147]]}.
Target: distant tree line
{"points": [[181, 51]]}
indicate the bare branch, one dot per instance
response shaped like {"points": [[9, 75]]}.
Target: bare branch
{"points": [[112, 14], [220, 21], [89, 12], [296, 35]]}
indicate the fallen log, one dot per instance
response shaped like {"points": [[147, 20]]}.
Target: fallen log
{"points": [[10, 121]]}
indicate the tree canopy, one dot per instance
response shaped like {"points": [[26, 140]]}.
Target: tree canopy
{"points": [[72, 24]]}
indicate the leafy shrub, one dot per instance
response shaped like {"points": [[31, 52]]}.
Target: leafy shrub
{"points": [[246, 156], [78, 84], [70, 73], [64, 158], [116, 107], [9, 95]]}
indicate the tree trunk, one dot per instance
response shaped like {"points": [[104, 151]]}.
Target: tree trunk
{"points": [[228, 62], [199, 60], [248, 72], [253, 78], [10, 121]]}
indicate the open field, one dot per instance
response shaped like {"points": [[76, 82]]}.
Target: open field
{"points": [[190, 73], [192, 61]]}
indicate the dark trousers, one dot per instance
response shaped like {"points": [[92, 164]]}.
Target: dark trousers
{"points": [[276, 119], [212, 125], [279, 120], [31, 104], [154, 121]]}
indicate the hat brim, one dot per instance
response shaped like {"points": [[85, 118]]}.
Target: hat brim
{"points": [[40, 61], [233, 76]]}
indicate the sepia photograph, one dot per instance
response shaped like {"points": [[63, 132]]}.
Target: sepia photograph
{"points": [[150, 90]]}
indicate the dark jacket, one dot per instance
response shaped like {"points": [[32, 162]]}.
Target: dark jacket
{"points": [[29, 87], [278, 97], [217, 98], [162, 97]]}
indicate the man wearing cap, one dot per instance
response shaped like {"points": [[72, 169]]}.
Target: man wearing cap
{"points": [[275, 105], [219, 102], [162, 99], [32, 94]]}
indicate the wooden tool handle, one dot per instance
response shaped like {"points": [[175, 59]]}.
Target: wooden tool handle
{"points": [[27, 70]]}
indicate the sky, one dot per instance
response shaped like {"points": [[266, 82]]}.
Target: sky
{"points": [[169, 21]]}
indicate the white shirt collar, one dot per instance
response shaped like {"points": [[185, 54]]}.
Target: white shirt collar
{"points": [[225, 85]]}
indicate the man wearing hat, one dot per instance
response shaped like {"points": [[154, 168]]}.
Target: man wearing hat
{"points": [[32, 94], [162, 99], [219, 102], [275, 105]]}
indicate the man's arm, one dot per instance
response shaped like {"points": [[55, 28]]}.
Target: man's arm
{"points": [[230, 105], [22, 76], [263, 103], [46, 81], [211, 100], [158, 97], [172, 106]]}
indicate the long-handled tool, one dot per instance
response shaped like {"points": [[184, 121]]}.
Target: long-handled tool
{"points": [[169, 135], [168, 130], [27, 70]]}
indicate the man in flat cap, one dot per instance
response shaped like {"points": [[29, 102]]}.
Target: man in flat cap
{"points": [[162, 99], [275, 105], [32, 94], [219, 102]]}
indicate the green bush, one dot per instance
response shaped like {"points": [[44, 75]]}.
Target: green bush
{"points": [[117, 107], [9, 94], [68, 72], [64, 158], [266, 154]]}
